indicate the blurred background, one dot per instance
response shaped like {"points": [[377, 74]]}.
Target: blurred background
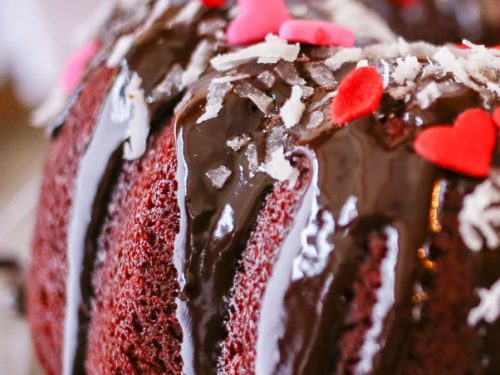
{"points": [[36, 37]]}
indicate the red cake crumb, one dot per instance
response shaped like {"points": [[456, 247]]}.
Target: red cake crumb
{"points": [[47, 276], [136, 284]]}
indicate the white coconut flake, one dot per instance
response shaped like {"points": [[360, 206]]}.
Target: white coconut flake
{"points": [[215, 99], [273, 48], [158, 10], [253, 160], [347, 55], [267, 78], [428, 95], [171, 84], [289, 74], [238, 142], [489, 307], [451, 64], [198, 63], [292, 110], [259, 98], [315, 120], [120, 49], [321, 75], [362, 63], [407, 69], [231, 78], [187, 13], [307, 92], [314, 106], [219, 176], [386, 73], [138, 126], [479, 217], [49, 108], [211, 26], [279, 168]]}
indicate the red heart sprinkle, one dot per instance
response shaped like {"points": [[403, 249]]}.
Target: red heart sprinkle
{"points": [[320, 33], [466, 147], [213, 3], [358, 95], [256, 20], [496, 117]]}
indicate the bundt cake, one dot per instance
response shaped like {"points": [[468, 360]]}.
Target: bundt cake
{"points": [[287, 189]]}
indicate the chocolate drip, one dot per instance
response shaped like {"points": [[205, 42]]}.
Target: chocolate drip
{"points": [[216, 223], [357, 194]]}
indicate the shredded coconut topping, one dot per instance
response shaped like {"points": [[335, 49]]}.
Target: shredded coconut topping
{"points": [[187, 13], [428, 95], [259, 98], [219, 176], [489, 307], [215, 99], [292, 110], [321, 75], [272, 50], [480, 216], [407, 69], [279, 168], [347, 55], [198, 63], [267, 78], [138, 126], [238, 142], [120, 49]]}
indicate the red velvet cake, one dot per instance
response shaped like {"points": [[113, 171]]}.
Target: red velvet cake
{"points": [[278, 189]]}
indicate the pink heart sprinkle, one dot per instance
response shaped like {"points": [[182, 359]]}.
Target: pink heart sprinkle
{"points": [[320, 33], [256, 20], [76, 64]]}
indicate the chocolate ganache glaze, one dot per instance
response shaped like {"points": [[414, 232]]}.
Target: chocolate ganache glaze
{"points": [[366, 182]]}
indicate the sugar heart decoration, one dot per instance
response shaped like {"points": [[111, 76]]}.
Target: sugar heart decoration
{"points": [[496, 117], [319, 33], [257, 19], [213, 3], [358, 95], [466, 147], [76, 64]]}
